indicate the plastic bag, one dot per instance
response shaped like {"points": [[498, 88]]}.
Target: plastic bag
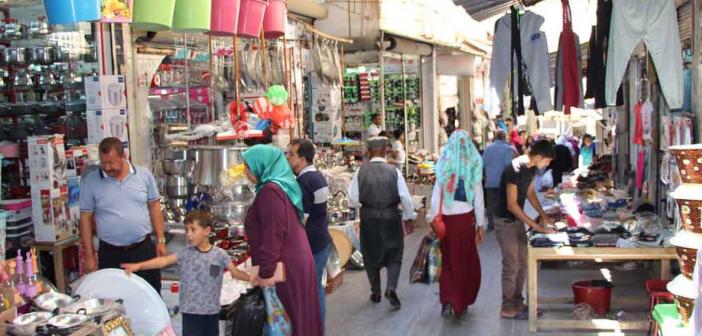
{"points": [[434, 262], [248, 314], [418, 271], [333, 263], [277, 320]]}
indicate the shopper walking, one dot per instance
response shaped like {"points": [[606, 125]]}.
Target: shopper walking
{"points": [[315, 194], [458, 192], [497, 156], [277, 238], [199, 293], [124, 202], [378, 188], [516, 186]]}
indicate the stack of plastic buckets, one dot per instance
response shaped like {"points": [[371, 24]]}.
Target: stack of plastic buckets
{"points": [[153, 15], [72, 11], [688, 196]]}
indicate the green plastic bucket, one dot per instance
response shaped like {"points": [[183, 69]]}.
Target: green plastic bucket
{"points": [[192, 16], [153, 15]]}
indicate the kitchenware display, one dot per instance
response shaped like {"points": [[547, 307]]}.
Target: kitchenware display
{"points": [[14, 30], [230, 212], [39, 27], [343, 245], [212, 161], [224, 17], [72, 11], [51, 301], [275, 19], [178, 167], [40, 55], [117, 126], [26, 325], [94, 307], [242, 193], [250, 21], [192, 16], [14, 55], [115, 94], [143, 306], [237, 230], [175, 153], [64, 324], [176, 203]]}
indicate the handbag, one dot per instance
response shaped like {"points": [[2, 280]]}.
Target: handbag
{"points": [[437, 224], [434, 262], [418, 271], [277, 320]]}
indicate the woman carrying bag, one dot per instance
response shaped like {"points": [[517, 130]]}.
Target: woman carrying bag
{"points": [[458, 199], [278, 242]]}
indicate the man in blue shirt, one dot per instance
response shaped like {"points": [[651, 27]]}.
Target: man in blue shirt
{"points": [[124, 202], [315, 194], [496, 157]]}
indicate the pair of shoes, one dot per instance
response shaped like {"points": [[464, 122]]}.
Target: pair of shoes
{"points": [[447, 311], [375, 297], [393, 299]]}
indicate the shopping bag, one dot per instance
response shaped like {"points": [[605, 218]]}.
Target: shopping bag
{"points": [[277, 320], [418, 271], [434, 262], [247, 314], [437, 224]]}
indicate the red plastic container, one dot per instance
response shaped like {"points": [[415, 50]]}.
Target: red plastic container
{"points": [[225, 17], [596, 293], [251, 18], [275, 19]]}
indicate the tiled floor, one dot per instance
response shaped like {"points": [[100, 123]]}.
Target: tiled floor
{"points": [[349, 311]]}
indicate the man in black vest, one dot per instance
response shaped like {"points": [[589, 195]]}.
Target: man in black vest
{"points": [[378, 188]]}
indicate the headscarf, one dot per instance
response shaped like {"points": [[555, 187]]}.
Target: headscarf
{"points": [[268, 164], [459, 161]]}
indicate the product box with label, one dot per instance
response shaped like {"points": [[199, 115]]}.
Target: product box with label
{"points": [[105, 92], [107, 123], [47, 161], [50, 215]]}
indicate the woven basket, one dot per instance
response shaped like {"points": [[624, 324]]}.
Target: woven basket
{"points": [[685, 307], [690, 214], [687, 258], [689, 160]]}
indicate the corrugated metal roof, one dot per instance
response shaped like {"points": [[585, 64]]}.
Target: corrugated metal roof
{"points": [[483, 9]]}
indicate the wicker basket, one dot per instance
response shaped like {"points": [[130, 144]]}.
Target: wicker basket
{"points": [[689, 160], [687, 258], [685, 307], [691, 214]]}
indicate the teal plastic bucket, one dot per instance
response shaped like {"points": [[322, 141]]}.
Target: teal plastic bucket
{"points": [[71, 11], [192, 16], [153, 15]]}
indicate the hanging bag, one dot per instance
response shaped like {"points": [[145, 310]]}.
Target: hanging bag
{"points": [[437, 224], [418, 271], [277, 320]]}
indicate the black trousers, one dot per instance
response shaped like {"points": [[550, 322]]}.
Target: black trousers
{"points": [[200, 325], [110, 256]]}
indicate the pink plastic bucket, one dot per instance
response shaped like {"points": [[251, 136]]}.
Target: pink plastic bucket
{"points": [[275, 19], [225, 15], [251, 18]]}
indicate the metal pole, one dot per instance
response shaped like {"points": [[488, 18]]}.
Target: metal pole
{"points": [[381, 78], [343, 92], [404, 109], [237, 78], [187, 83], [264, 59]]}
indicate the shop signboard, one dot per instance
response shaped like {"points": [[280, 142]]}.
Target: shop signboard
{"points": [[116, 11]]}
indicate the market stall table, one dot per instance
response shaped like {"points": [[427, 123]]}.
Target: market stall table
{"points": [[597, 254], [56, 248]]}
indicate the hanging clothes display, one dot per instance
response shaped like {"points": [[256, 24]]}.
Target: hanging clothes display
{"points": [[654, 21], [534, 51], [568, 91], [517, 88], [599, 37]]}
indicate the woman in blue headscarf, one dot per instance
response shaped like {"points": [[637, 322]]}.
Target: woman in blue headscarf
{"points": [[276, 236], [458, 195]]}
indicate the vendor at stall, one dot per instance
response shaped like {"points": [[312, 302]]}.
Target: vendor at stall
{"points": [[378, 188], [376, 126], [516, 186], [124, 202]]}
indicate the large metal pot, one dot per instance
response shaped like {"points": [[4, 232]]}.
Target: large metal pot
{"points": [[175, 153], [41, 55], [178, 167], [212, 161], [231, 211], [26, 325], [242, 193], [65, 324], [50, 301], [178, 186], [94, 307], [14, 55]]}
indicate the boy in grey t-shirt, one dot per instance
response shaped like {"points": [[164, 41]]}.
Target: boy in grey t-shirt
{"points": [[201, 267]]}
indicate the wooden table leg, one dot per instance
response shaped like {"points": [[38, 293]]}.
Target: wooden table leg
{"points": [[665, 269], [532, 294], [58, 270]]}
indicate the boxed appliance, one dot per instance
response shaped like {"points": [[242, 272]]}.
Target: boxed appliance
{"points": [[50, 215], [107, 123], [47, 161], [76, 158], [105, 92]]}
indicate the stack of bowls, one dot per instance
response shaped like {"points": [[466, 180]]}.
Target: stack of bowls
{"points": [[178, 169], [688, 196]]}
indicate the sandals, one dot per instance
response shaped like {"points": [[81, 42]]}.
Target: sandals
{"points": [[520, 315]]}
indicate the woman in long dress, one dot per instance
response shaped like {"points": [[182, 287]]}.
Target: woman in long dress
{"points": [[459, 187], [276, 235]]}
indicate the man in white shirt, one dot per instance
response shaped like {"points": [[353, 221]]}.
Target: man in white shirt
{"points": [[378, 188], [398, 149], [375, 127]]}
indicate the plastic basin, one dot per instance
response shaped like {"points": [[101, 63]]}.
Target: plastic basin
{"points": [[596, 293]]}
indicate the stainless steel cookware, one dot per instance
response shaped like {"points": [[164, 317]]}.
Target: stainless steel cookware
{"points": [[39, 27], [178, 192], [176, 203], [178, 167], [14, 30], [14, 55], [26, 325], [177, 181], [175, 153], [242, 193], [231, 211], [212, 161], [40, 55], [94, 307], [49, 301]]}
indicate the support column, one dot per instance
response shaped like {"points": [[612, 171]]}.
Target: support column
{"points": [[430, 95]]}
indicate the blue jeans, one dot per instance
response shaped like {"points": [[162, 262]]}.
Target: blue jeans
{"points": [[320, 261], [200, 325]]}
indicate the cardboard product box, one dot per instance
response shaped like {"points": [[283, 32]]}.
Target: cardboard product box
{"points": [[105, 92], [73, 215], [107, 123], [76, 158], [47, 161], [50, 215]]}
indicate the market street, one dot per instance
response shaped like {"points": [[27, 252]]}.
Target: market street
{"points": [[350, 313]]}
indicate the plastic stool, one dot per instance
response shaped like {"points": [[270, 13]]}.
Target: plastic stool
{"points": [[656, 285], [664, 314]]}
